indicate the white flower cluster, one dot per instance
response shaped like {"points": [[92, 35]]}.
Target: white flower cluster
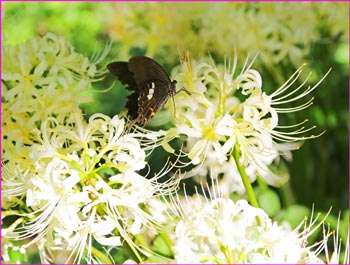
{"points": [[41, 78], [75, 187], [83, 185], [79, 178], [225, 112], [223, 232]]}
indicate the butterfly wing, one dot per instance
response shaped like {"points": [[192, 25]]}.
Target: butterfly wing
{"points": [[152, 98], [151, 85], [155, 87], [121, 71], [146, 70]]}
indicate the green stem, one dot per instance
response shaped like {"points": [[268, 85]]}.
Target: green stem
{"points": [[167, 240], [287, 196], [101, 256], [130, 246], [246, 182], [142, 242]]}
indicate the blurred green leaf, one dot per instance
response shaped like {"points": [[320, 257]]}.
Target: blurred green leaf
{"points": [[294, 214], [160, 246], [269, 201], [342, 54]]}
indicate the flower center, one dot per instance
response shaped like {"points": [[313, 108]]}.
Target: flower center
{"points": [[208, 133]]}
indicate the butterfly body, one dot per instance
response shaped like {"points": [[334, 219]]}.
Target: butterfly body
{"points": [[150, 84]]}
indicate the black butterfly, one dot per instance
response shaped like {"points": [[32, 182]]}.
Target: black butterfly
{"points": [[151, 85]]}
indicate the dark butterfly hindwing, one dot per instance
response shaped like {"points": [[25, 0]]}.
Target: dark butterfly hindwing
{"points": [[151, 85], [151, 99], [121, 70]]}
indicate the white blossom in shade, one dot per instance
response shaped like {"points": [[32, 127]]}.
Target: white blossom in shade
{"points": [[224, 110], [83, 187], [220, 231]]}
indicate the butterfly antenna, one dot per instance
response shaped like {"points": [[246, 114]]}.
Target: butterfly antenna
{"points": [[185, 90]]}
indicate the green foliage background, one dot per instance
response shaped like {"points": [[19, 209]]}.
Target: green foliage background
{"points": [[319, 170]]}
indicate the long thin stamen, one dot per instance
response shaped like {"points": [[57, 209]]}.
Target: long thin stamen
{"points": [[288, 83]]}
